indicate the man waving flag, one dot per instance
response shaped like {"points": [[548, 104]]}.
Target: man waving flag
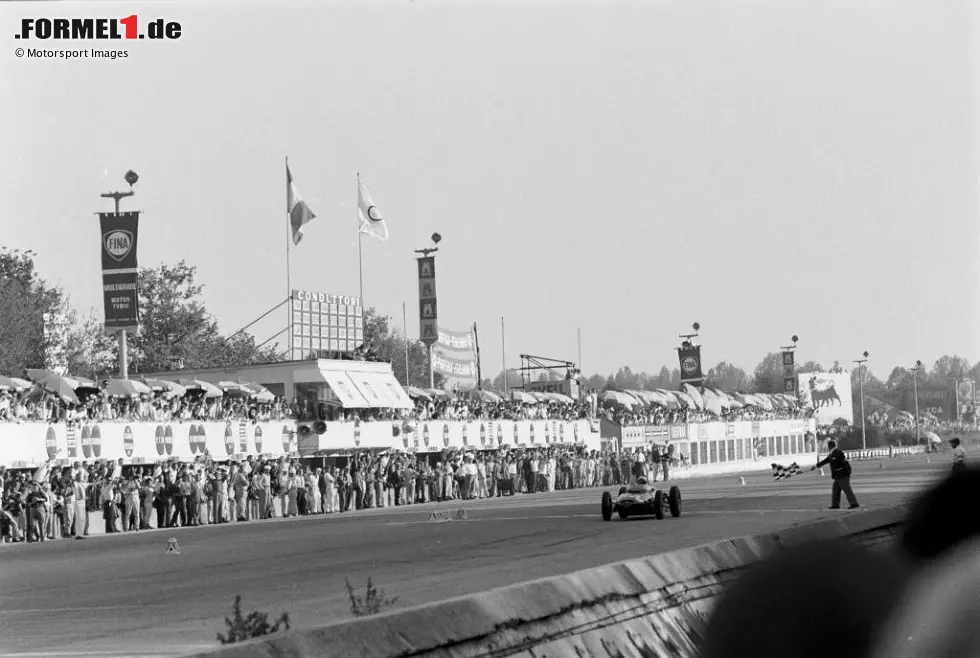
{"points": [[368, 216], [299, 213]]}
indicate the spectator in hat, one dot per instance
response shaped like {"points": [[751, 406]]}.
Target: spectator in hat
{"points": [[131, 504], [79, 497], [239, 483], [264, 491], [147, 494]]}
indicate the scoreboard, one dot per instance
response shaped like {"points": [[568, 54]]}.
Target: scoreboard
{"points": [[323, 322]]}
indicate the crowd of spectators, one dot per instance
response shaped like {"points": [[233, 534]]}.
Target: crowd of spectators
{"points": [[659, 415], [58, 502], [41, 405]]}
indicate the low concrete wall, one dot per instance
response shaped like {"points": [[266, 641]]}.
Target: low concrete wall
{"points": [[655, 606]]}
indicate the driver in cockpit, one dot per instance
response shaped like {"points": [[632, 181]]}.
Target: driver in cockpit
{"points": [[640, 486]]}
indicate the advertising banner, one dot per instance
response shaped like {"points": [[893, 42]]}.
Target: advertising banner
{"points": [[120, 270], [938, 400], [428, 315], [454, 356], [965, 399], [323, 322], [690, 363], [829, 394]]}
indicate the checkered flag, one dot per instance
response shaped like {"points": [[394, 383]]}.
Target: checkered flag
{"points": [[785, 472]]}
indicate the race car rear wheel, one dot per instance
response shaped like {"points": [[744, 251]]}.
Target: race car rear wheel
{"points": [[622, 490], [607, 506], [675, 501], [659, 504]]}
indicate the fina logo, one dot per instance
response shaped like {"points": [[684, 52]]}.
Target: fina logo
{"points": [[118, 244], [689, 364]]}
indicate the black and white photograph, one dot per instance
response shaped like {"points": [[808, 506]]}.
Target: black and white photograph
{"points": [[406, 328]]}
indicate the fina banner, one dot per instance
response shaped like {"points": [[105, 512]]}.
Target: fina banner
{"points": [[454, 356], [428, 317], [690, 360], [119, 270]]}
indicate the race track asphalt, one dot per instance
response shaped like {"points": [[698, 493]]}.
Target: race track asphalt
{"points": [[121, 595]]}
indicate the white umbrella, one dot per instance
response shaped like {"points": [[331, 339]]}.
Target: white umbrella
{"points": [[711, 401], [415, 393], [618, 397], [521, 396], [695, 395], [210, 390]]}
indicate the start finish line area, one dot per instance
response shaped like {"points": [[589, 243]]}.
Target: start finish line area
{"points": [[126, 595]]}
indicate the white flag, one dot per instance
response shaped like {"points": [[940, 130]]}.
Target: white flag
{"points": [[369, 218]]}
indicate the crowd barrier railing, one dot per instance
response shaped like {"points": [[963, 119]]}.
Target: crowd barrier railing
{"points": [[30, 444]]}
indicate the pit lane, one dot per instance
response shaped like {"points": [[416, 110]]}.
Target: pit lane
{"points": [[122, 595]]}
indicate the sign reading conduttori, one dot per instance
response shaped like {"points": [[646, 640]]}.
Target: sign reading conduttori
{"points": [[324, 322], [120, 271]]}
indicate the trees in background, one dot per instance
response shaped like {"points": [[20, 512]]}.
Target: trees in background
{"points": [[40, 329], [25, 298], [388, 345]]}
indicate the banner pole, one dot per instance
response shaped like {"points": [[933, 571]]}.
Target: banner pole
{"points": [[289, 286], [123, 344], [432, 374], [408, 377], [360, 266]]}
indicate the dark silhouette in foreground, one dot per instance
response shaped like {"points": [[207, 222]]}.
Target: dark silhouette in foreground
{"points": [[834, 598]]}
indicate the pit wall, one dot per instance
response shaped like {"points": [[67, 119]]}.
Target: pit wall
{"points": [[654, 606]]}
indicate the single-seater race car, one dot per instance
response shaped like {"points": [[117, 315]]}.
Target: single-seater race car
{"points": [[640, 499]]}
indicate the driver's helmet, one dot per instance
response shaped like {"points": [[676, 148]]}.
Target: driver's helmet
{"points": [[641, 480]]}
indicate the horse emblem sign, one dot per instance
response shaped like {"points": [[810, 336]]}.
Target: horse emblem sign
{"points": [[823, 397]]}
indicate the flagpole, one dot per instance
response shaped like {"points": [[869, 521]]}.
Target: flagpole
{"points": [[289, 285], [408, 378], [360, 267]]}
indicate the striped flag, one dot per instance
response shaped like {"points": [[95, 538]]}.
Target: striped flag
{"points": [[369, 219], [299, 213], [785, 472]]}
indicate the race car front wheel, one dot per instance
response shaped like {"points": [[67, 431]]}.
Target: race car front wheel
{"points": [[675, 501], [607, 506], [659, 504]]}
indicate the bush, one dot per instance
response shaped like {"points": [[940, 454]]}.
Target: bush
{"points": [[248, 628], [373, 602]]}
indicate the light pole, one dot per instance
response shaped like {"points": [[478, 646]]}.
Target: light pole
{"points": [[915, 394], [864, 435]]}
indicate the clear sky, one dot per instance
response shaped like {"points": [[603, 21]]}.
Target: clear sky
{"points": [[763, 168]]}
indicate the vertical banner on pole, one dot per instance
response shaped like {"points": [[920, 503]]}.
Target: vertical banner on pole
{"points": [[120, 270], [690, 362], [789, 372], [428, 315]]}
